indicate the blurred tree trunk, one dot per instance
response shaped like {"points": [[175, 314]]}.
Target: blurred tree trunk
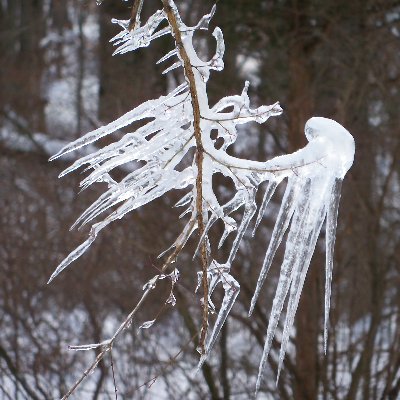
{"points": [[80, 71], [369, 262], [60, 21], [300, 96], [22, 61], [31, 54], [300, 109]]}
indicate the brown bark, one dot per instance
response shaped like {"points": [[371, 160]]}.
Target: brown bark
{"points": [[198, 160]]}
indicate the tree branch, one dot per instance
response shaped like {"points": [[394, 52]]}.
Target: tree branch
{"points": [[107, 345], [199, 157], [134, 21]]}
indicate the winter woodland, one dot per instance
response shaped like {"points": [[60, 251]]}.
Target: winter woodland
{"points": [[181, 142]]}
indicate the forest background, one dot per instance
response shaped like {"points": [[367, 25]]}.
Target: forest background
{"points": [[333, 58]]}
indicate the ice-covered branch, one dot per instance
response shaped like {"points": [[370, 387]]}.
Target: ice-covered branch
{"points": [[183, 47], [182, 121]]}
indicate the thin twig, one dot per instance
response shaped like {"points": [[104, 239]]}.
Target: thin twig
{"points": [[24, 130], [113, 375], [262, 170], [171, 361], [107, 346], [134, 21], [84, 375]]}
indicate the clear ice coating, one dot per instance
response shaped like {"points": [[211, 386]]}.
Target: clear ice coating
{"points": [[314, 175], [147, 324], [311, 197]]}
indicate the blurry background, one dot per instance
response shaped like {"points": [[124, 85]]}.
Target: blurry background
{"points": [[333, 58]]}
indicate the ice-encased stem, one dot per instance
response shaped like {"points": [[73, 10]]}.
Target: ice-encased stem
{"points": [[231, 288], [194, 80]]}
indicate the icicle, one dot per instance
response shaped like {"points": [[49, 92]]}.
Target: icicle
{"points": [[285, 278], [229, 226], [331, 222], [161, 32], [180, 242], [205, 20], [144, 110], [281, 225], [305, 250], [172, 67], [80, 249], [187, 211], [141, 37], [91, 346], [173, 52], [269, 191], [203, 237], [139, 112], [219, 273], [147, 324], [185, 200], [250, 209]]}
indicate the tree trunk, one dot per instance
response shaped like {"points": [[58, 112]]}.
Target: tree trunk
{"points": [[300, 109]]}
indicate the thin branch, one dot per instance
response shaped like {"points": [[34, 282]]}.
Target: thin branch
{"points": [[199, 157], [24, 130], [168, 363], [113, 375], [108, 344], [259, 164], [134, 21]]}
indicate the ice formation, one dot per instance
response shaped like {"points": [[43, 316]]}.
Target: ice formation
{"points": [[312, 195], [314, 175]]}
